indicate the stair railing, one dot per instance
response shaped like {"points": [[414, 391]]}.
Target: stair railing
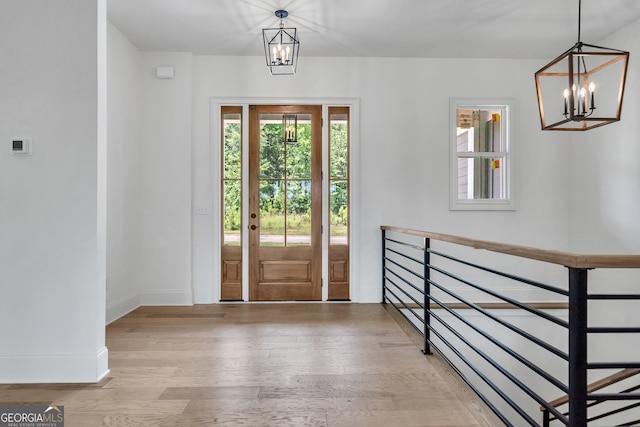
{"points": [[513, 367]]}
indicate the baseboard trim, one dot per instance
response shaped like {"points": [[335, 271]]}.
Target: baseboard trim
{"points": [[72, 368], [203, 296], [369, 295], [122, 307]]}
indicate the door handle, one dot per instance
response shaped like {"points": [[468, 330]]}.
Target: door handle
{"points": [[253, 227]]}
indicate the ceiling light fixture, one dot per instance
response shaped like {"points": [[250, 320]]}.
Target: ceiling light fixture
{"points": [[583, 88], [290, 128], [281, 47]]}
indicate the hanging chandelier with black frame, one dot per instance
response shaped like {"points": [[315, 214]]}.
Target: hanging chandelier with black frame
{"points": [[583, 88], [281, 47]]}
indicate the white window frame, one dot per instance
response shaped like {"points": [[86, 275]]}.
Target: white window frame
{"points": [[507, 105]]}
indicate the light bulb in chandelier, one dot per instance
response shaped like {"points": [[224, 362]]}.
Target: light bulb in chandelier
{"points": [[583, 100]]}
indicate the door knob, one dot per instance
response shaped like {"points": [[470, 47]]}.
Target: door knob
{"points": [[253, 227]]}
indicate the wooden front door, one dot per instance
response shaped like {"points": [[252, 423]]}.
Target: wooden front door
{"points": [[285, 203]]}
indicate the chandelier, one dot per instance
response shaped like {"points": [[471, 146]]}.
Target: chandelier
{"points": [[583, 88], [281, 47]]}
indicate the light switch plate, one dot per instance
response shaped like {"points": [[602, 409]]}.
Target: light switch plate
{"points": [[202, 210]]}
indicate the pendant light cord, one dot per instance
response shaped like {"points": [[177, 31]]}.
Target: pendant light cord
{"points": [[579, 18]]}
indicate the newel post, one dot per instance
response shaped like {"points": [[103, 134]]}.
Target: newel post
{"points": [[577, 347]]}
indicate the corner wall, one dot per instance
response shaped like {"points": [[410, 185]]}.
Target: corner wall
{"points": [[606, 170], [149, 173], [161, 234], [124, 73], [52, 220]]}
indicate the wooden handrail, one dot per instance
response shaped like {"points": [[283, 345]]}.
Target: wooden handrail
{"points": [[600, 384], [555, 257]]}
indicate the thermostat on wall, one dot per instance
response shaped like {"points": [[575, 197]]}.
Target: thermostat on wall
{"points": [[21, 146]]}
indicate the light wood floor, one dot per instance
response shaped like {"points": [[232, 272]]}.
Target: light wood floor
{"points": [[329, 365]]}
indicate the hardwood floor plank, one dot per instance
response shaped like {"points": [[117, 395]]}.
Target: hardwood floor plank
{"points": [[143, 372], [402, 418], [239, 379], [199, 393], [227, 419], [296, 404], [322, 392], [403, 379], [276, 367], [84, 420], [32, 396], [106, 407], [113, 394]]}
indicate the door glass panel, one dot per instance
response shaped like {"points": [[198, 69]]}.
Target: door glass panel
{"points": [[285, 183], [232, 212], [339, 155], [272, 212], [338, 176], [298, 213], [338, 198], [232, 177], [272, 147], [298, 154]]}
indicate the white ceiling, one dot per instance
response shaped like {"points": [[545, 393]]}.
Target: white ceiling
{"points": [[373, 28]]}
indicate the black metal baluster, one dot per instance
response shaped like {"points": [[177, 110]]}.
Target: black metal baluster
{"points": [[427, 295], [384, 266]]}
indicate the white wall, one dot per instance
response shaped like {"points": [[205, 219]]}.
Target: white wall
{"points": [[161, 224], [404, 136], [52, 249], [124, 74]]}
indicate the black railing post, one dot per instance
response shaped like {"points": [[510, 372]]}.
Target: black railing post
{"points": [[427, 295], [384, 265], [546, 420], [577, 347]]}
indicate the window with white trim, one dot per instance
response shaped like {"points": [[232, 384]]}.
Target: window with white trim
{"points": [[481, 154]]}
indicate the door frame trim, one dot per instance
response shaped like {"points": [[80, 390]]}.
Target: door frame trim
{"points": [[215, 180]]}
